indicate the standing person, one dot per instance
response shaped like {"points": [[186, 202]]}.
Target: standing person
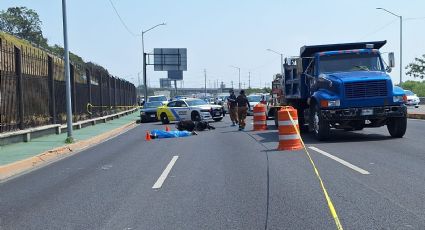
{"points": [[233, 109], [243, 106]]}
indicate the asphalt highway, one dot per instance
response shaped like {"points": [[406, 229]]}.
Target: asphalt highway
{"points": [[226, 179]]}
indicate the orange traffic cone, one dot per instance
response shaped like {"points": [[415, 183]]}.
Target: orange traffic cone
{"points": [[148, 136], [167, 128]]}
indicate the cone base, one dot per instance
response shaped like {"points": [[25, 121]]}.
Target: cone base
{"points": [[280, 147]]}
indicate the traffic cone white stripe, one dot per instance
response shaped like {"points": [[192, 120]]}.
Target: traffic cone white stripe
{"points": [[288, 137], [281, 123]]}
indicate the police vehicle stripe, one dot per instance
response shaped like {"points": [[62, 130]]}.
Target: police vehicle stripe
{"points": [[175, 114]]}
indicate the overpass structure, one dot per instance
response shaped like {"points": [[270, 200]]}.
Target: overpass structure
{"points": [[189, 91]]}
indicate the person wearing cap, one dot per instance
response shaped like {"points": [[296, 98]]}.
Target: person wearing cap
{"points": [[233, 109], [243, 106]]}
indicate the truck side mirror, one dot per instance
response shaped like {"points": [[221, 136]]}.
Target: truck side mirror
{"points": [[391, 61]]}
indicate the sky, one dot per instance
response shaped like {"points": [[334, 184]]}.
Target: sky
{"points": [[223, 33]]}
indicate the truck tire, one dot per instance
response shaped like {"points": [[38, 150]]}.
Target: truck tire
{"points": [[397, 126], [164, 118], [321, 128]]}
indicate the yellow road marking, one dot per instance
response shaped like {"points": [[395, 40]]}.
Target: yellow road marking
{"points": [[325, 192]]}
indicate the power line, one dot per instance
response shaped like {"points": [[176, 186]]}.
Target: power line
{"points": [[418, 18], [379, 29], [122, 21]]}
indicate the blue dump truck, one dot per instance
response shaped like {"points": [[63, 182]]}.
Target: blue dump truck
{"points": [[343, 86]]}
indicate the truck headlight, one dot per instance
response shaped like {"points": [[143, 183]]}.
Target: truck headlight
{"points": [[142, 113], [401, 98]]}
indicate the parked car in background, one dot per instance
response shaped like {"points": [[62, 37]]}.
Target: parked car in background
{"points": [[412, 99], [148, 111], [161, 98], [253, 99]]}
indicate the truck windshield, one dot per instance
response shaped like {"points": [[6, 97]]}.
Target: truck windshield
{"points": [[350, 62]]}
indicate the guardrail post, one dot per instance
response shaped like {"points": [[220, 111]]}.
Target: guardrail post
{"points": [[101, 93], [51, 83], [108, 85], [19, 86], [73, 89], [88, 77], [114, 86]]}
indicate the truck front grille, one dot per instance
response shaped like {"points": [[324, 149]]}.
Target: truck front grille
{"points": [[366, 89]]}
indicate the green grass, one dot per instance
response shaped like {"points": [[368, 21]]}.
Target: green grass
{"points": [[20, 43]]}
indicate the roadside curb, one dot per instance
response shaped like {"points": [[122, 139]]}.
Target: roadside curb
{"points": [[416, 116], [17, 168]]}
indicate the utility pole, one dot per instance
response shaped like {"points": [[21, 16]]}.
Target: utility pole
{"points": [[144, 58], [138, 82], [205, 82], [401, 40], [249, 80], [69, 139], [231, 83]]}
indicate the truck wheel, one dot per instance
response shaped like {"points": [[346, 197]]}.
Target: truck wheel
{"points": [[321, 128], [397, 126], [164, 118]]}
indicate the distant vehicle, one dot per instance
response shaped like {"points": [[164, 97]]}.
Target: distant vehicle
{"points": [[161, 98], [224, 103], [178, 97], [189, 109], [253, 100], [148, 111], [412, 99]]}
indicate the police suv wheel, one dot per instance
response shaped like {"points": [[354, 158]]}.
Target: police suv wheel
{"points": [[195, 116], [164, 118]]}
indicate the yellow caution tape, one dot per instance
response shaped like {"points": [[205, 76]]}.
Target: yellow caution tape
{"points": [[90, 106], [325, 192]]}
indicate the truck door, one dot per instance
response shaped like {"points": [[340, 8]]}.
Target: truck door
{"points": [[311, 76]]}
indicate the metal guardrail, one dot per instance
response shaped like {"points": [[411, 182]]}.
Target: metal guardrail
{"points": [[27, 134]]}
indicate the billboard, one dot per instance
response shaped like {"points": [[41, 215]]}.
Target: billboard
{"points": [[175, 75], [170, 59], [164, 83]]}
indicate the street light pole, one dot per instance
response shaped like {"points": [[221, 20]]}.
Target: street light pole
{"points": [[67, 75], [401, 40], [281, 60], [239, 72], [144, 59]]}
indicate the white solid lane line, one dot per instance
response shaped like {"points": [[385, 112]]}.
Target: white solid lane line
{"points": [[351, 166], [161, 179]]}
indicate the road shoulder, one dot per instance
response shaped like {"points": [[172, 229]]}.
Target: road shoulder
{"points": [[17, 168]]}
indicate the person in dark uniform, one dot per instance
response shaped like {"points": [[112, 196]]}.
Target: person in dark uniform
{"points": [[233, 109], [243, 106]]}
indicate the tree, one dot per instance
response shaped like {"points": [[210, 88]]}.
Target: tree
{"points": [[24, 23], [417, 68], [59, 51], [415, 86]]}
